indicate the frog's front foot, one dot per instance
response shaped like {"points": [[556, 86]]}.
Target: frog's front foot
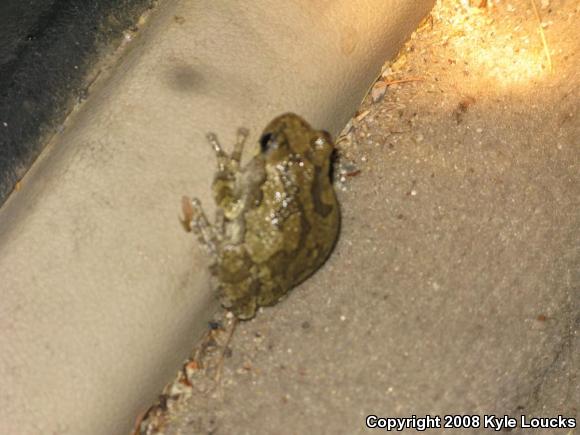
{"points": [[194, 220], [229, 163]]}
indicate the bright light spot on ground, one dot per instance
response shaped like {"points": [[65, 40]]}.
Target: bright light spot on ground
{"points": [[492, 52]]}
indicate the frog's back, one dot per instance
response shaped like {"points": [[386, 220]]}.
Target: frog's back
{"points": [[301, 202], [290, 220]]}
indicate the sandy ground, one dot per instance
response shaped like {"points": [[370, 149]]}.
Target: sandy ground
{"points": [[455, 286]]}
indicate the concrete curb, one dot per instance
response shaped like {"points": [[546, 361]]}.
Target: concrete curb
{"points": [[100, 302]]}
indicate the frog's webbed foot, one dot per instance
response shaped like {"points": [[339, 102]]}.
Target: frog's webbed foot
{"points": [[194, 220]]}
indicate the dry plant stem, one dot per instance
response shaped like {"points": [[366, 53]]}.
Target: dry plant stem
{"points": [[542, 35], [410, 79], [394, 82], [220, 366], [201, 349]]}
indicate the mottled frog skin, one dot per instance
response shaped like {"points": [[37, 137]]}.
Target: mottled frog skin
{"points": [[277, 218]]}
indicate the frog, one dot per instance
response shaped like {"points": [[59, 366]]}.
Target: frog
{"points": [[277, 217]]}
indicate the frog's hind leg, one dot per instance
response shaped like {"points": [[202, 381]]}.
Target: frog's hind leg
{"points": [[194, 220]]}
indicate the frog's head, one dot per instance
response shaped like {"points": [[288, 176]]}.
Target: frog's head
{"points": [[289, 135]]}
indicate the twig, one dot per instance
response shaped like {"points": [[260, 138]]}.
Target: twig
{"points": [[542, 35], [223, 353], [410, 79]]}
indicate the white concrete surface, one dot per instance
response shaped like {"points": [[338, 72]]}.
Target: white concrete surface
{"points": [[99, 299]]}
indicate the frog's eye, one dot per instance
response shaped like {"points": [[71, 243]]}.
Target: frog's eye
{"points": [[265, 142]]}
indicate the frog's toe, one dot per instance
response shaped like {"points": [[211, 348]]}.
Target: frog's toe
{"points": [[245, 312], [219, 151], [243, 134], [187, 209], [244, 309]]}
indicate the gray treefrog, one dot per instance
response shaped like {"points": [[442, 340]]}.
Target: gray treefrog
{"points": [[277, 218]]}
